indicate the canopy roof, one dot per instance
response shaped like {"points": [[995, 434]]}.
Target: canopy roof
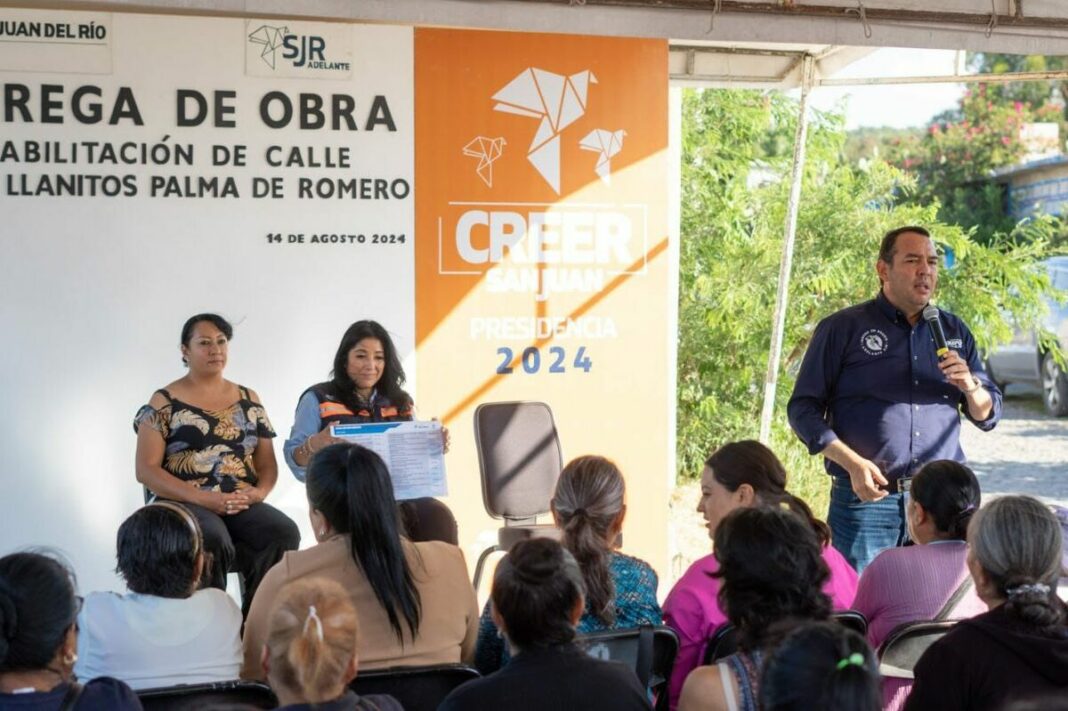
{"points": [[1013, 26]]}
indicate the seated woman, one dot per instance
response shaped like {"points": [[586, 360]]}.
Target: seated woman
{"points": [[537, 600], [366, 385], [414, 600], [738, 475], [771, 577], [38, 639], [1019, 649], [165, 631], [821, 665], [918, 582], [310, 656], [588, 506], [206, 442]]}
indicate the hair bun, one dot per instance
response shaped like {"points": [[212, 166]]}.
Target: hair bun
{"points": [[535, 564]]}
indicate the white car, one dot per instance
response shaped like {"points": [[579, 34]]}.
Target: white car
{"points": [[1022, 361]]}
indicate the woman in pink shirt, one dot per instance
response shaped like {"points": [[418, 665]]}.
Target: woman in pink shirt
{"points": [[915, 582], [738, 475]]}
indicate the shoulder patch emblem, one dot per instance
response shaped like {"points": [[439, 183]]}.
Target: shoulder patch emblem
{"points": [[874, 342]]}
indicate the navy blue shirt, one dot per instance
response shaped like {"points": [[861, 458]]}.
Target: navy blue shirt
{"points": [[871, 379]]}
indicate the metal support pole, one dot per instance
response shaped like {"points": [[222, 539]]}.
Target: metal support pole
{"points": [[782, 296]]}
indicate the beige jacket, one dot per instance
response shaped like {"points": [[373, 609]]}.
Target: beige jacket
{"points": [[448, 627]]}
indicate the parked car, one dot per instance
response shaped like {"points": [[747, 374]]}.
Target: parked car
{"points": [[1022, 361]]}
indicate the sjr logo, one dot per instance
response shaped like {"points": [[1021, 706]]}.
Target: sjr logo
{"points": [[303, 49]]}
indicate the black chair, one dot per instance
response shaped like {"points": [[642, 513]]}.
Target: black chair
{"points": [[852, 619], [906, 643], [416, 688], [724, 641], [192, 697], [649, 650], [519, 460]]}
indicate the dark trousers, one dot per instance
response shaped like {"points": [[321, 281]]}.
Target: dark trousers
{"points": [[248, 543], [427, 519]]}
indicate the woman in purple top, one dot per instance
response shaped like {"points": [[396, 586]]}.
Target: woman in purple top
{"points": [[738, 475], [915, 582]]}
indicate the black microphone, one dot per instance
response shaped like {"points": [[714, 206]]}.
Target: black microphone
{"points": [[930, 315]]}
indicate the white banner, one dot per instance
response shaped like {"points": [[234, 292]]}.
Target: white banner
{"points": [[189, 179]]}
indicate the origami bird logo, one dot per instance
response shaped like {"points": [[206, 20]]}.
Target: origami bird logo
{"points": [[607, 143], [557, 101], [487, 150], [271, 39]]}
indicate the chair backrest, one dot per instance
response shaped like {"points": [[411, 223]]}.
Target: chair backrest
{"points": [[724, 642], [416, 688], [518, 456], [852, 619], [649, 650], [906, 643], [191, 697]]}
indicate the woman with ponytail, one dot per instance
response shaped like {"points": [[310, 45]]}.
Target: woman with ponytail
{"points": [[929, 579], [39, 641], [588, 507], [414, 599], [310, 656], [1019, 648], [738, 475], [821, 665]]}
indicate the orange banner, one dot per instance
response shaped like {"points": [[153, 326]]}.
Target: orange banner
{"points": [[541, 252]]}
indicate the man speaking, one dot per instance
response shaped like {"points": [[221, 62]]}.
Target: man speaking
{"points": [[879, 398]]}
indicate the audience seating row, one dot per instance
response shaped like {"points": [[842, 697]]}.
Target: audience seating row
{"points": [[649, 650]]}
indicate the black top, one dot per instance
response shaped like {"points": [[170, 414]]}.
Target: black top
{"points": [[101, 693], [562, 678], [211, 449], [987, 661]]}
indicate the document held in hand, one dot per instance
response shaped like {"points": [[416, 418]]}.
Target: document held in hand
{"points": [[412, 451]]}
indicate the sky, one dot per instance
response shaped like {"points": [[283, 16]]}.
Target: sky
{"points": [[898, 106]]}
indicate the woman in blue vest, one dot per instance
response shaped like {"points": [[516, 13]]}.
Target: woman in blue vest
{"points": [[366, 385]]}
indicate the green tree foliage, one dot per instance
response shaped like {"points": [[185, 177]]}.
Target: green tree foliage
{"points": [[1035, 95], [953, 161], [735, 188]]}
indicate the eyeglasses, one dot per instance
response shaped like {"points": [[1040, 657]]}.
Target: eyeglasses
{"points": [[904, 485]]}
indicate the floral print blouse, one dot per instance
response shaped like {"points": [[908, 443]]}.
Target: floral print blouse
{"points": [[209, 449]]}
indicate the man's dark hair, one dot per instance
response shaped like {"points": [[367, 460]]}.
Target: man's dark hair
{"points": [[535, 588], [156, 551], [888, 248], [771, 571]]}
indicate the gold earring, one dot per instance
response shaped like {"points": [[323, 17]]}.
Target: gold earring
{"points": [[70, 658]]}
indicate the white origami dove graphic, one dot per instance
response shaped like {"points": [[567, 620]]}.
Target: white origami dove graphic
{"points": [[607, 143], [487, 150], [558, 101], [271, 39]]}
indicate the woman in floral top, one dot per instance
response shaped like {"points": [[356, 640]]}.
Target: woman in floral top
{"points": [[206, 442]]}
